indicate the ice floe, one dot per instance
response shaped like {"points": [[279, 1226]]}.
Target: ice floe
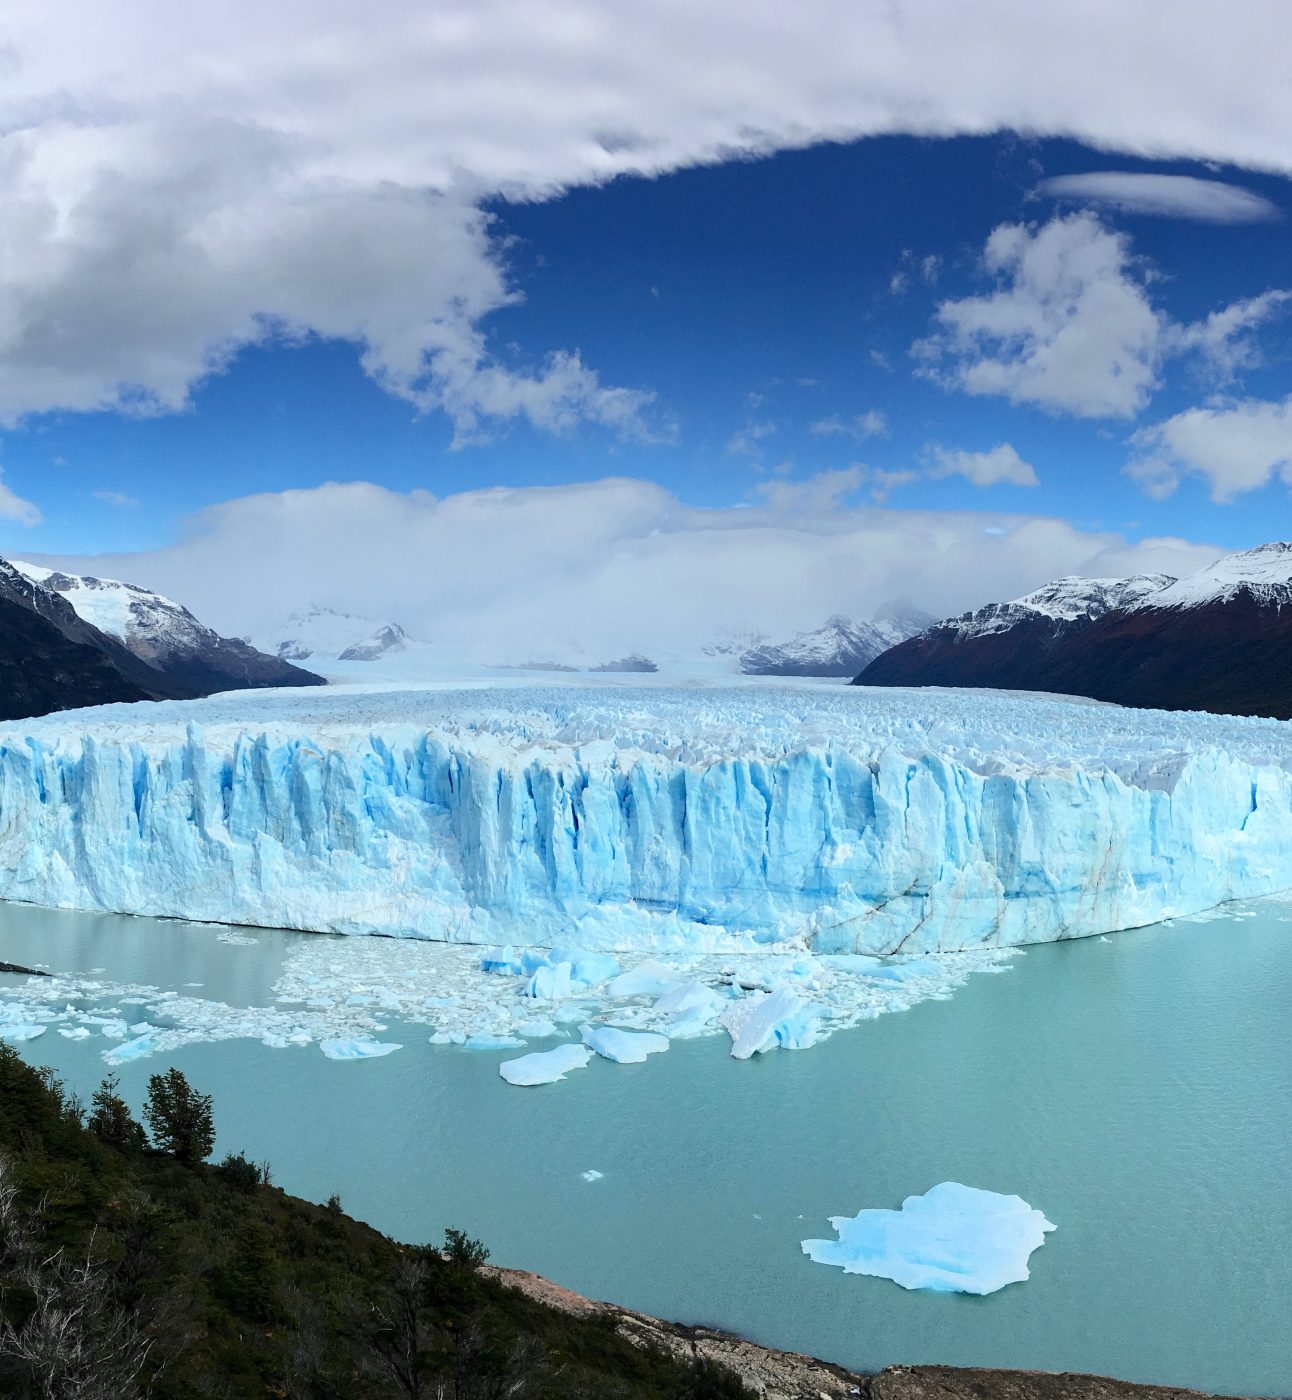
{"points": [[953, 1239], [545, 1066], [623, 1047]]}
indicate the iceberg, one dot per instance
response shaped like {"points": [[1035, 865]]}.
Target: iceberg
{"points": [[712, 820], [356, 1049], [545, 1066], [758, 1024], [17, 1031], [623, 1047], [953, 1239]]}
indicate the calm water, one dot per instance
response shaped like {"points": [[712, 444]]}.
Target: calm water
{"points": [[1136, 1090]]}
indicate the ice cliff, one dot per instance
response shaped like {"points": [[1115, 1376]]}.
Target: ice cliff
{"points": [[840, 820]]}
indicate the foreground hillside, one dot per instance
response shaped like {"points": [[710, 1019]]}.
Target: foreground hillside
{"points": [[128, 1272]]}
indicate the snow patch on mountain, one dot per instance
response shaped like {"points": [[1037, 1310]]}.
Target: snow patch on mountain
{"points": [[1065, 601], [324, 634], [1264, 574], [841, 648]]}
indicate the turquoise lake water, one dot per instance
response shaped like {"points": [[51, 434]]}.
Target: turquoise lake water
{"points": [[1137, 1090]]}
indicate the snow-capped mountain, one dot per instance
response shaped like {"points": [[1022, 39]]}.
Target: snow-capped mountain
{"points": [[165, 635], [1220, 639], [324, 634], [840, 648]]}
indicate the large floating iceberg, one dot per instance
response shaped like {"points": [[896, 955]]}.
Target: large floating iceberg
{"points": [[837, 820], [953, 1239]]}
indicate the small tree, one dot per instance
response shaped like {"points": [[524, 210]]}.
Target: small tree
{"points": [[111, 1120], [179, 1118], [462, 1251]]}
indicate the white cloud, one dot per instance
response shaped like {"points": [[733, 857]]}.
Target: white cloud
{"points": [[870, 424], [745, 442], [1000, 463], [1234, 448], [118, 499], [14, 507], [1225, 339], [1070, 327], [178, 181], [594, 570], [1171, 196]]}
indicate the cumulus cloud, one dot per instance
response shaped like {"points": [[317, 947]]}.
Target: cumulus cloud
{"points": [[586, 572], [1234, 447], [1169, 196], [870, 424], [747, 441], [1070, 327], [177, 182], [1000, 464]]}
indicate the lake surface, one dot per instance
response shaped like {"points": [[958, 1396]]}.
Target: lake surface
{"points": [[1135, 1089]]}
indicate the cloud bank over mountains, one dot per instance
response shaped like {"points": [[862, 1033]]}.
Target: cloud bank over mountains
{"points": [[178, 183], [585, 572]]}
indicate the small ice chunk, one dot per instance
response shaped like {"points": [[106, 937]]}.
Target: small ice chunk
{"points": [[491, 1040], [762, 1023], [587, 969], [502, 960], [113, 1029], [356, 1049], [130, 1050], [689, 1001], [20, 1031], [647, 979], [623, 1047], [905, 969], [549, 983], [536, 1029], [545, 1066], [592, 1174], [953, 1239], [74, 1032]]}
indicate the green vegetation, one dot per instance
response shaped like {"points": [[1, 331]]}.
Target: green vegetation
{"points": [[129, 1270]]}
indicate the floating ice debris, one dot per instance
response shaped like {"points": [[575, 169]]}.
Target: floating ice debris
{"points": [[953, 1239], [688, 1008], [647, 979], [502, 960], [779, 1018], [592, 1174], [19, 1031], [549, 983], [623, 1047], [536, 1029], [545, 1066], [341, 1049], [74, 1032], [491, 1040], [130, 1050], [238, 940]]}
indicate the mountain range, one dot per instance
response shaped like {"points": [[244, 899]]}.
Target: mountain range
{"points": [[68, 640], [1219, 640]]}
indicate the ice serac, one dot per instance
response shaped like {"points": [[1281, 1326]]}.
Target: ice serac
{"points": [[834, 820]]}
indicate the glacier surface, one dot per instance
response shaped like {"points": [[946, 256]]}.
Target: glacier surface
{"points": [[838, 821], [953, 1239]]}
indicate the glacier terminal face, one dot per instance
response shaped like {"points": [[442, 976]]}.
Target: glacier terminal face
{"points": [[617, 817]]}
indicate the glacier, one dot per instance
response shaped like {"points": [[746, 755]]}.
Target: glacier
{"points": [[835, 820], [953, 1239]]}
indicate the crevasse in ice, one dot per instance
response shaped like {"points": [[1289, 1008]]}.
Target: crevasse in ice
{"points": [[843, 820]]}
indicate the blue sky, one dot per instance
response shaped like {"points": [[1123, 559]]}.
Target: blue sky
{"points": [[445, 270], [756, 299]]}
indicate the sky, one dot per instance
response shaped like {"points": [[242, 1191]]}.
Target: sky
{"points": [[579, 328]]}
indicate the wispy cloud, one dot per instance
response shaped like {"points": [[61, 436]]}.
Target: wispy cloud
{"points": [[1168, 196], [870, 424], [119, 499]]}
